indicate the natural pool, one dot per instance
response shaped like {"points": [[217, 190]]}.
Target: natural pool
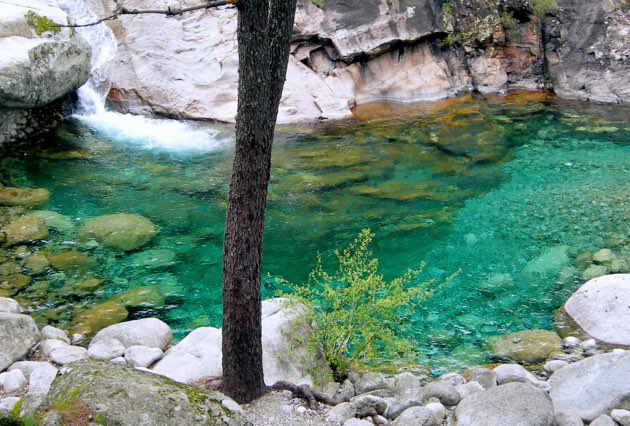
{"points": [[509, 189]]}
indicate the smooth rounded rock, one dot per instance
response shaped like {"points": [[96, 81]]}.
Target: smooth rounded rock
{"points": [[604, 420], [9, 306], [369, 382], [529, 346], [119, 231], [593, 386], [106, 349], [621, 416], [555, 365], [485, 377], [99, 317], [510, 404], [142, 356], [13, 381], [564, 418], [363, 402], [25, 229], [41, 379], [396, 407], [444, 392], [454, 379], [509, 373], [601, 307], [18, 334], [50, 332], [68, 355], [25, 197], [27, 367], [416, 416], [357, 422], [468, 389], [49, 345], [341, 412], [150, 332]]}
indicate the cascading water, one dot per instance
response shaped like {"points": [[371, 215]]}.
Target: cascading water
{"points": [[169, 135]]}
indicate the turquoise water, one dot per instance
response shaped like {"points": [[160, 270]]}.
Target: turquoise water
{"points": [[485, 185]]}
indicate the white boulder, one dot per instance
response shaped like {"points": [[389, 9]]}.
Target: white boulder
{"points": [[601, 307], [142, 356], [143, 332], [18, 334]]}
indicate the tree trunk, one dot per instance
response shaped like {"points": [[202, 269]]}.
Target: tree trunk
{"points": [[264, 32]]}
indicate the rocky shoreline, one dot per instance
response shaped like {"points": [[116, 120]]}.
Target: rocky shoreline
{"points": [[569, 382]]}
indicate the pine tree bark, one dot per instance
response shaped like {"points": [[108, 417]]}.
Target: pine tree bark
{"points": [[264, 34]]}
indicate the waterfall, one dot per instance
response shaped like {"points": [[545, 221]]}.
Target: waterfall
{"points": [[162, 134]]}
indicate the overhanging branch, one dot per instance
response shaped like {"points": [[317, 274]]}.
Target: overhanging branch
{"points": [[170, 11]]}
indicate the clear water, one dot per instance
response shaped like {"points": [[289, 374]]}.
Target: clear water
{"points": [[485, 185]]}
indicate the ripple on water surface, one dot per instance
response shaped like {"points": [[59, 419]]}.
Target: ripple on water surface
{"points": [[511, 190]]}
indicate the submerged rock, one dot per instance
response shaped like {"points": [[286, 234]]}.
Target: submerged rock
{"points": [[100, 316], [25, 229], [601, 307], [72, 261], [119, 231], [25, 197], [529, 346], [122, 395]]}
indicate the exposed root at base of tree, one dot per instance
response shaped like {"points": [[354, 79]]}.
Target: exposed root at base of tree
{"points": [[311, 396], [371, 413]]}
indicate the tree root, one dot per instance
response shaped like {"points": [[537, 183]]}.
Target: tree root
{"points": [[371, 413], [312, 397]]}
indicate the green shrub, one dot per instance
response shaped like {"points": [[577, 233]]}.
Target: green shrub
{"points": [[319, 3], [361, 318], [542, 8]]}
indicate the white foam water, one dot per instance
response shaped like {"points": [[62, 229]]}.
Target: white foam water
{"points": [[162, 134]]}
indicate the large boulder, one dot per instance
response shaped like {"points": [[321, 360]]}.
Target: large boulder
{"points": [[286, 356], [24, 229], [529, 346], [18, 334], [511, 404], [593, 386], [25, 197], [39, 62], [119, 231], [125, 396], [601, 307]]}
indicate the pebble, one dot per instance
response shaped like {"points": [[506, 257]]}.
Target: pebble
{"points": [[589, 344], [571, 341]]}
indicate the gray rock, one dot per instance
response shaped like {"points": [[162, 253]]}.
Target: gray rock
{"points": [[197, 355], [341, 412], [405, 385], [363, 402], [49, 345], [454, 379], [9, 305], [41, 378], [124, 395], [571, 342], [68, 355], [509, 373], [510, 404], [106, 349], [554, 365], [593, 386], [485, 377], [416, 416], [35, 72], [565, 418], [357, 422], [369, 382], [119, 361], [7, 404], [444, 392], [143, 332], [604, 420], [142, 356], [77, 338], [346, 390], [621, 416], [49, 332], [18, 334], [439, 411], [600, 308], [468, 389], [396, 407], [27, 367], [13, 381]]}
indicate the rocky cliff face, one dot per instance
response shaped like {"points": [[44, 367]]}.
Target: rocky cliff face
{"points": [[40, 65], [348, 52]]}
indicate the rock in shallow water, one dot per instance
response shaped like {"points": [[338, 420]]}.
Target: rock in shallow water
{"points": [[529, 346], [119, 231], [25, 197], [25, 229]]}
